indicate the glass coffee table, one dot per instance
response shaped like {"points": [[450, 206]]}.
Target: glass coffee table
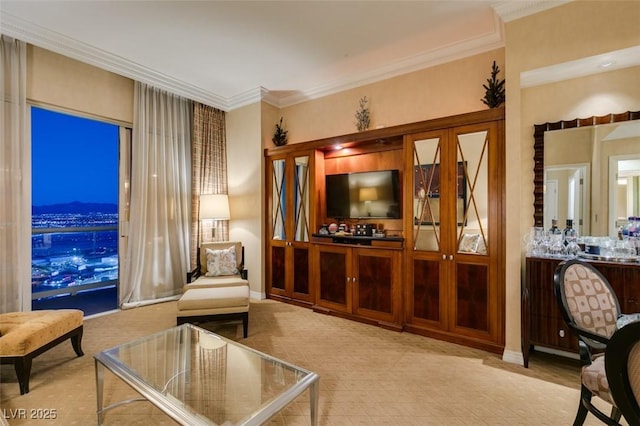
{"points": [[199, 378]]}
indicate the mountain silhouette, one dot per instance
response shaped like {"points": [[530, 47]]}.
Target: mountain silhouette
{"points": [[75, 207]]}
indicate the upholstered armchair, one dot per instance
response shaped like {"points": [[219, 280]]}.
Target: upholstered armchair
{"points": [[590, 308], [218, 288]]}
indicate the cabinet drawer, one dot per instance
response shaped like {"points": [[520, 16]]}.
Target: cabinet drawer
{"points": [[552, 332]]}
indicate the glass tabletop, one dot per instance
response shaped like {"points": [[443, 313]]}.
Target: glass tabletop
{"points": [[205, 378]]}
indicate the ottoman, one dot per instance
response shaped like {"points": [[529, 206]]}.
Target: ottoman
{"points": [[25, 335], [214, 303]]}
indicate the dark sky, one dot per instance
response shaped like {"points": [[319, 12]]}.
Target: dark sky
{"points": [[73, 159]]}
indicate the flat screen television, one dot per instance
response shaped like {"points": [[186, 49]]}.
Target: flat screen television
{"points": [[364, 195]]}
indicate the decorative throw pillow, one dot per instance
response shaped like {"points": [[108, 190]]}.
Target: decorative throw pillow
{"points": [[221, 262], [469, 243], [482, 248]]}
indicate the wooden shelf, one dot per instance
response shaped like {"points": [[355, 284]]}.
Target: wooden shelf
{"points": [[360, 240]]}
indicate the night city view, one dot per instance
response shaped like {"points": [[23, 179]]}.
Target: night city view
{"points": [[63, 259], [74, 204]]}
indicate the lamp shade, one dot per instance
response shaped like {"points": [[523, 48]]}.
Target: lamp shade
{"points": [[368, 194], [214, 206]]}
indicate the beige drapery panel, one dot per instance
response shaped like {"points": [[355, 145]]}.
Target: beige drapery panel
{"points": [[15, 178], [209, 171], [158, 244]]}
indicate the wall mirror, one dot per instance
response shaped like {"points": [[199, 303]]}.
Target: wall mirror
{"points": [[588, 170]]}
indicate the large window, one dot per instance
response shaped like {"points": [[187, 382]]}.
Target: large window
{"points": [[74, 211]]}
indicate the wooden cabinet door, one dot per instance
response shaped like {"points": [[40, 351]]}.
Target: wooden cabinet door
{"points": [[427, 305], [290, 188], [376, 284], [335, 277], [277, 227], [476, 299], [456, 244]]}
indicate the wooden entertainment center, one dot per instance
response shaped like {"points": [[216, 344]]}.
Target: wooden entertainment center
{"points": [[438, 270]]}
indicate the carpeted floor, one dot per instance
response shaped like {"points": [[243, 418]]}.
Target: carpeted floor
{"points": [[369, 376]]}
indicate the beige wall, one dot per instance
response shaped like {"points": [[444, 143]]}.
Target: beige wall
{"points": [[71, 85], [565, 33], [245, 175], [440, 91]]}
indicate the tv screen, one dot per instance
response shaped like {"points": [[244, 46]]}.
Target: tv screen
{"points": [[364, 195]]}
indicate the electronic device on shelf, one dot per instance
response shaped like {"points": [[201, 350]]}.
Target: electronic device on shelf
{"points": [[364, 229]]}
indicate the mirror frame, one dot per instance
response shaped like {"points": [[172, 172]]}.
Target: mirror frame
{"points": [[538, 151]]}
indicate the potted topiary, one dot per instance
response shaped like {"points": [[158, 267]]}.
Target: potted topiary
{"points": [[494, 89], [280, 136], [363, 120]]}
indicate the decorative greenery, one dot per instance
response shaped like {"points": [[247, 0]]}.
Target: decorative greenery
{"points": [[494, 95], [280, 136], [363, 120]]}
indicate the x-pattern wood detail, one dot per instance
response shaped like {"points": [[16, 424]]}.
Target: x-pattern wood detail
{"points": [[302, 180], [472, 187], [278, 181], [425, 203]]}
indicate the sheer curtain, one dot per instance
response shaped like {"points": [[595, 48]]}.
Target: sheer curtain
{"points": [[209, 169], [156, 261], [15, 178]]}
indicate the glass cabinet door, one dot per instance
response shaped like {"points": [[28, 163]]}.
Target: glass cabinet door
{"points": [[301, 201], [472, 192], [475, 294], [290, 222], [300, 256], [278, 224], [426, 194], [429, 206], [279, 199]]}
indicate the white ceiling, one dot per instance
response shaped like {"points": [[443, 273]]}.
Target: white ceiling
{"points": [[231, 53]]}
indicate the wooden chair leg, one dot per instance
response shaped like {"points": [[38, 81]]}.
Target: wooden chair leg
{"points": [[76, 342], [245, 324], [581, 415], [22, 366], [616, 414]]}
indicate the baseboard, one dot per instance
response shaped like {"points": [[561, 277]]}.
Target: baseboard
{"points": [[256, 295], [129, 305], [558, 352], [101, 314], [513, 357]]}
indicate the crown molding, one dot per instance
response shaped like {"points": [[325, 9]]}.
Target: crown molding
{"points": [[448, 53], [75, 49], [512, 10], [596, 64], [63, 45]]}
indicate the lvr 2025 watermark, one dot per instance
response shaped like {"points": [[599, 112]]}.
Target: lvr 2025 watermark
{"points": [[29, 413]]}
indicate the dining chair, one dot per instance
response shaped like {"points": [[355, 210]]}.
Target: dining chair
{"points": [[590, 308], [622, 365]]}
